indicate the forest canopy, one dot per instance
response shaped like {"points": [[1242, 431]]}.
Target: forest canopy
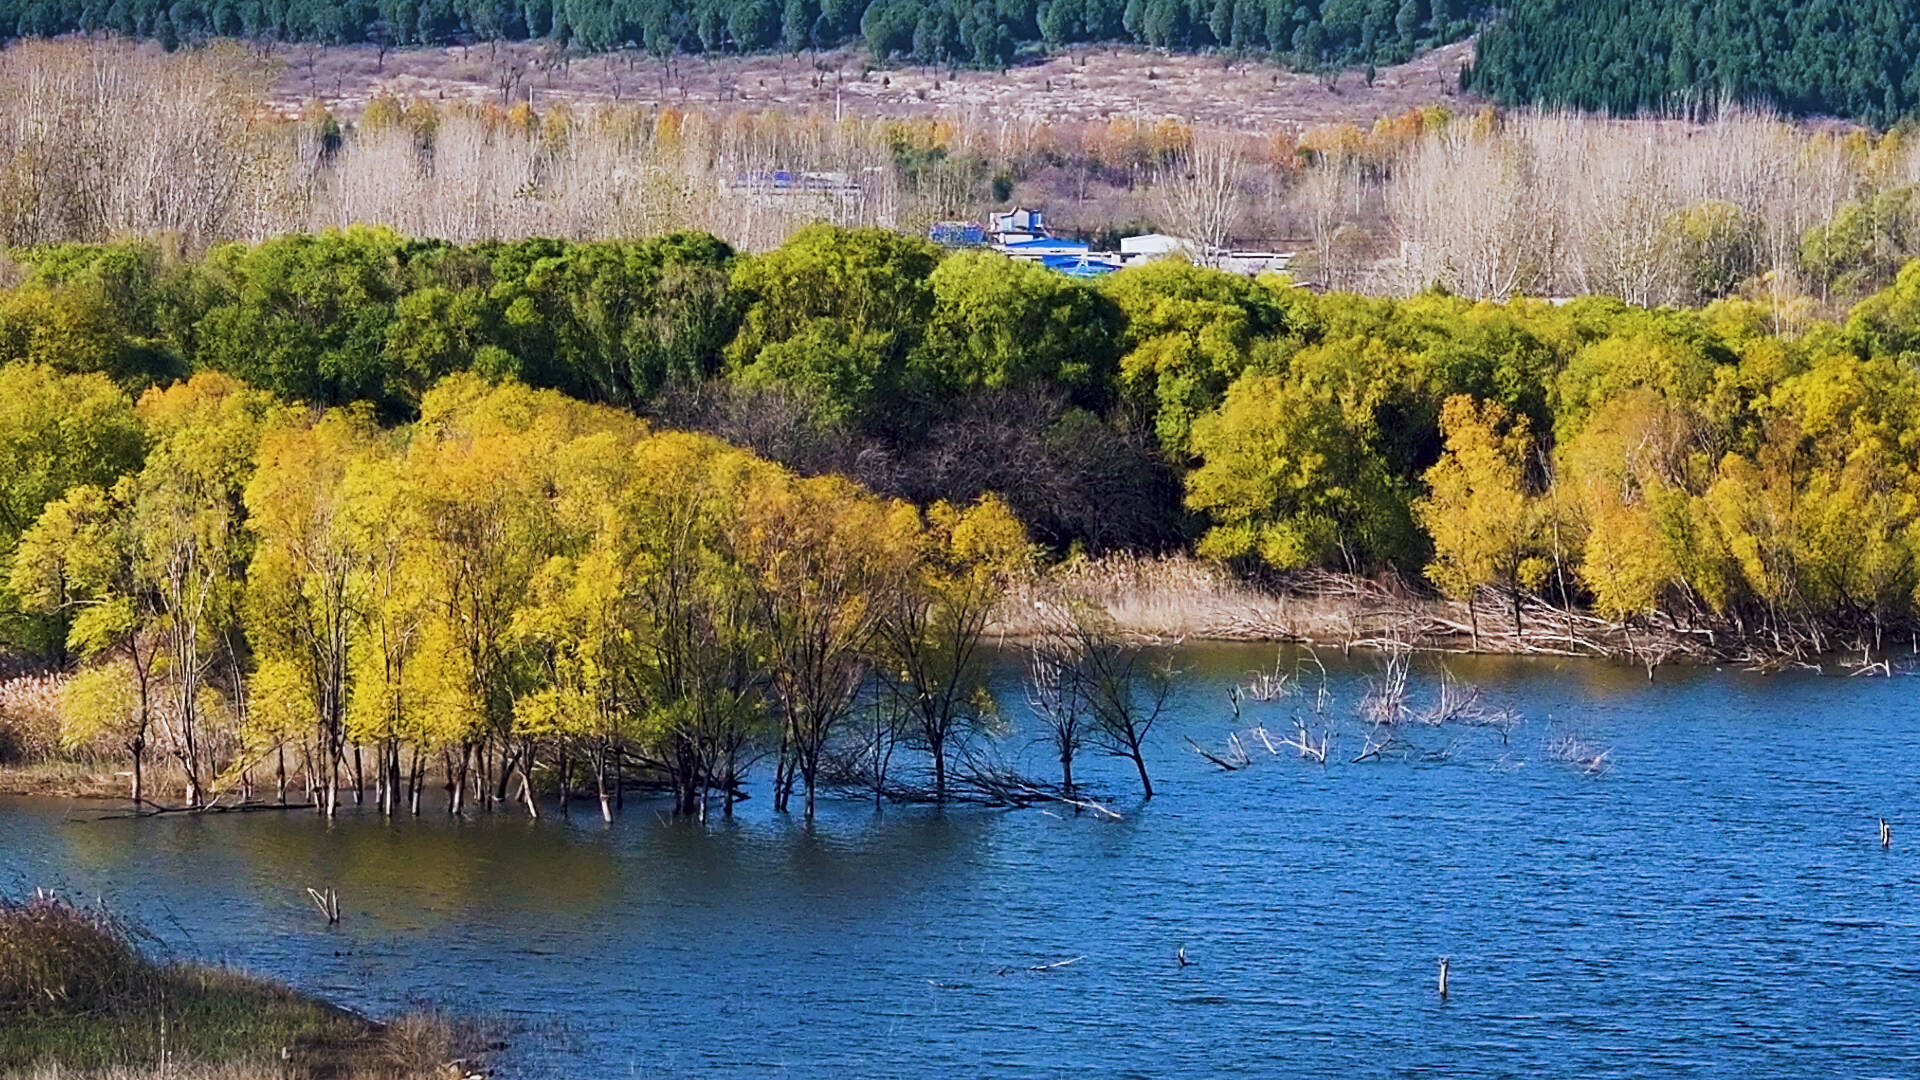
{"points": [[1311, 33], [1851, 58], [1701, 463], [505, 508]]}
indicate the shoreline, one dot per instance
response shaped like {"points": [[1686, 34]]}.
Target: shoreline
{"points": [[83, 999], [1178, 598]]}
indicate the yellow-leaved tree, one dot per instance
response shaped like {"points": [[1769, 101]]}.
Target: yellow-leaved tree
{"points": [[963, 560], [304, 586], [1485, 524]]}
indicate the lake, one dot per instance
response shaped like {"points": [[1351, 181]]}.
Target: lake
{"points": [[1714, 903]]}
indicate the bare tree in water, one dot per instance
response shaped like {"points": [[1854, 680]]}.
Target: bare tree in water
{"points": [[1115, 684]]}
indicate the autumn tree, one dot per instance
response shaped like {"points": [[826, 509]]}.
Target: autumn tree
{"points": [[1483, 521], [963, 561]]}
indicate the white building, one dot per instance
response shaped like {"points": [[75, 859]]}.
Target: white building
{"points": [[1156, 246]]}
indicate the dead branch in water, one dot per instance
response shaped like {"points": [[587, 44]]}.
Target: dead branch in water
{"points": [[1590, 758], [1236, 757], [1301, 741], [1385, 702], [973, 778]]}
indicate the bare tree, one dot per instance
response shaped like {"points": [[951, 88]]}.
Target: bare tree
{"points": [[1053, 693], [1114, 681], [1199, 192]]}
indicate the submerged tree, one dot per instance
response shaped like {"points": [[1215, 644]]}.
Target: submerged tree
{"points": [[1095, 672], [933, 635]]}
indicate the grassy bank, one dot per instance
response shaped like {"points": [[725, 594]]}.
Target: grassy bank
{"points": [[77, 998], [1179, 598]]}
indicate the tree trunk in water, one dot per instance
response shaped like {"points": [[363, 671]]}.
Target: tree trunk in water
{"points": [[782, 773], [359, 777], [332, 780], [1140, 762], [1473, 620], [506, 775], [600, 785], [139, 777], [526, 779], [938, 745], [1066, 773], [457, 784], [809, 768]]}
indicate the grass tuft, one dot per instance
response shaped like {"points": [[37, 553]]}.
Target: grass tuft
{"points": [[78, 999]]}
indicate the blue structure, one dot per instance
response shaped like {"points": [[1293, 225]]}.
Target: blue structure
{"points": [[1082, 265], [1043, 246], [957, 234]]}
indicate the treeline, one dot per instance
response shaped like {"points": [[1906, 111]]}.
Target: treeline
{"points": [[299, 499], [1311, 33], [1851, 58], [1694, 466], [515, 583]]}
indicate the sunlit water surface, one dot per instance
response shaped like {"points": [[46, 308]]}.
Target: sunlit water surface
{"points": [[1717, 904]]}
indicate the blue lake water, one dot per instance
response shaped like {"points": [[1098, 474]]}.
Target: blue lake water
{"points": [[1715, 904]]}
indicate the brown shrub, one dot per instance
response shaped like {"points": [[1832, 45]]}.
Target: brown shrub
{"points": [[59, 959], [30, 718]]}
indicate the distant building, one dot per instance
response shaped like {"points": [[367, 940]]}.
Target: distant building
{"points": [[1041, 246], [1017, 224], [1254, 262], [1150, 246], [957, 234], [1085, 265], [792, 182]]}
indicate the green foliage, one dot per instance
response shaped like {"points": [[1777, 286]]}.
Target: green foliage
{"points": [[1312, 33], [1851, 58], [1287, 477], [999, 325], [1483, 520], [836, 313], [306, 317], [1865, 244], [57, 433], [1189, 333], [488, 573]]}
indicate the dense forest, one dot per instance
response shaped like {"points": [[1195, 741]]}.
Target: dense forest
{"points": [[1162, 406], [1851, 58], [1310, 32], [658, 505]]}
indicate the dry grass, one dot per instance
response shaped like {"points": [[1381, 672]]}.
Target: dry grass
{"points": [[82, 779], [78, 999], [30, 718], [1178, 597], [1083, 84]]}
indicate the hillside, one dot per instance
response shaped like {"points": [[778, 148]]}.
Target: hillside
{"points": [[1313, 34], [1077, 86]]}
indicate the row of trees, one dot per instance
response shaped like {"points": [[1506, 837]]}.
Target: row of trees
{"points": [[1313, 32], [106, 140], [1691, 465], [513, 587]]}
